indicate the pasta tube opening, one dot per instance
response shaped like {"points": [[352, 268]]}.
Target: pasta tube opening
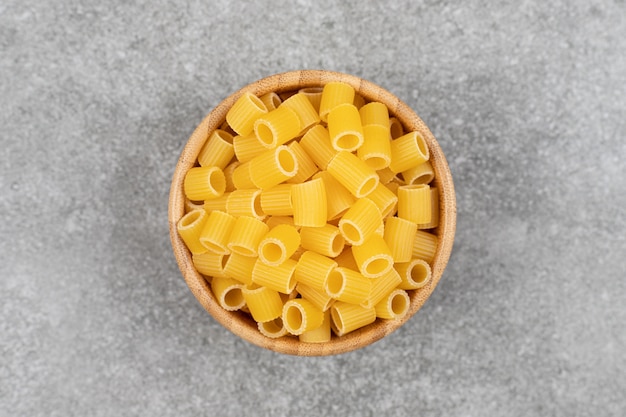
{"points": [[273, 328], [273, 251], [204, 183], [415, 274], [228, 293], [190, 227], [394, 306]]}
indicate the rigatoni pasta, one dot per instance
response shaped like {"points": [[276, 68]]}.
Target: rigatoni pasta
{"points": [[278, 245], [218, 150], [325, 240], [246, 110], [344, 128], [309, 203], [204, 183], [307, 219], [353, 173]]}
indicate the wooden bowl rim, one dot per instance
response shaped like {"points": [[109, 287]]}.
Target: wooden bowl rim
{"points": [[239, 323]]}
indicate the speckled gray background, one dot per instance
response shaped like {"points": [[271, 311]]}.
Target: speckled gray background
{"points": [[526, 98]]}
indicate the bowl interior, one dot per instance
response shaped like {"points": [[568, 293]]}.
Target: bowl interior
{"points": [[240, 323]]}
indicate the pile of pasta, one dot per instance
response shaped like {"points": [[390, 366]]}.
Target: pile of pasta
{"points": [[309, 211]]}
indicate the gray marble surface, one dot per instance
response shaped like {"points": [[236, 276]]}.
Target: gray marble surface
{"points": [[526, 98]]}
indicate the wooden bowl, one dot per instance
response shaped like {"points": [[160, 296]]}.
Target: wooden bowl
{"points": [[240, 323]]}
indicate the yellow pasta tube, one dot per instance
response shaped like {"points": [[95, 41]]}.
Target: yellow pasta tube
{"points": [[399, 235], [395, 128], [407, 151], [204, 183], [434, 210], [381, 287], [304, 109], [314, 94], [375, 114], [273, 167], [278, 245], [190, 228], [319, 298], [344, 128], [273, 328], [216, 204], [349, 317], [360, 221], [346, 259], [385, 200], [415, 274], [313, 269], [419, 174], [247, 147], [306, 166], [242, 177], [353, 173], [228, 175], [277, 127], [316, 143], [424, 246], [347, 285], [239, 267], [246, 235], [278, 278], [218, 150], [338, 198], [245, 203], [216, 232], [246, 110], [210, 264], [228, 293], [319, 335], [393, 306], [301, 316], [376, 148], [414, 203], [334, 94], [276, 201], [373, 257], [264, 303], [271, 100], [309, 203], [325, 240]]}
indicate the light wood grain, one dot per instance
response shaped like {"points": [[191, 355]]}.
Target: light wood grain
{"points": [[240, 323]]}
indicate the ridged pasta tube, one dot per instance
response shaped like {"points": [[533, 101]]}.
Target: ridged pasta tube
{"points": [[309, 203], [373, 257], [393, 306], [349, 317], [218, 150], [414, 203], [415, 274], [264, 303], [353, 173], [246, 110], [399, 235], [408, 151], [300, 315], [190, 228], [204, 183]]}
